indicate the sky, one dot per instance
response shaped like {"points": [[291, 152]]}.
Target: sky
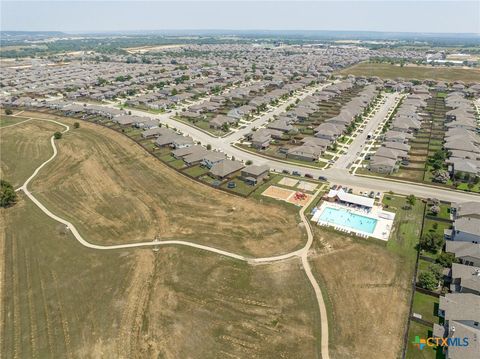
{"points": [[386, 16]]}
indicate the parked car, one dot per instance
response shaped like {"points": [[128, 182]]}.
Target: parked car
{"points": [[296, 173], [323, 178], [231, 184], [286, 172], [308, 175]]}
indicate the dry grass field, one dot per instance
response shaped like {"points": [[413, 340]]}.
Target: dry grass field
{"points": [[367, 290], [59, 299], [388, 71], [62, 300], [114, 192], [23, 147]]}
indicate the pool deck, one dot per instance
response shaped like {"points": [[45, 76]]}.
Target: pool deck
{"points": [[382, 229]]}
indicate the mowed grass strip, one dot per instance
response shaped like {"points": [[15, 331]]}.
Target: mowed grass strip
{"points": [[115, 192], [23, 148], [7, 120], [389, 71]]}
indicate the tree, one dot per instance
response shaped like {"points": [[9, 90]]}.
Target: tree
{"points": [[432, 241], [437, 270], [209, 147], [441, 176], [57, 135], [446, 259], [8, 111], [8, 196], [428, 280], [435, 210], [411, 200], [76, 125]]}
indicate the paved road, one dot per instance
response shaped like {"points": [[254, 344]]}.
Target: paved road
{"points": [[356, 146], [236, 135], [334, 175]]}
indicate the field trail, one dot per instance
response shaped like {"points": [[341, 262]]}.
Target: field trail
{"points": [[132, 314]]}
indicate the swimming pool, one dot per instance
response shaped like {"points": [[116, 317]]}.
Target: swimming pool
{"points": [[342, 217]]}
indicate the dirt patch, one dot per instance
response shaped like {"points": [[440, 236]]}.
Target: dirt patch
{"points": [[287, 195], [307, 186], [286, 181]]}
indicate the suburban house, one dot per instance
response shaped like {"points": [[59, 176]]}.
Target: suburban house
{"points": [[255, 173], [466, 223], [461, 313], [225, 168], [212, 158], [464, 279], [467, 253], [305, 153], [155, 132], [382, 165], [220, 121], [466, 229]]}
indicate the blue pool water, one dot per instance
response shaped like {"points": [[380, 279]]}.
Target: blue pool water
{"points": [[342, 217]]}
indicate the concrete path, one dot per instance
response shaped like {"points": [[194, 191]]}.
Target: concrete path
{"points": [[302, 253]]}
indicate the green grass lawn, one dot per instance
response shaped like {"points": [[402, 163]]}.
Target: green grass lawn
{"points": [[427, 306], [240, 187], [429, 226], [196, 171], [428, 352], [177, 164], [407, 226], [444, 212], [167, 158], [465, 187]]}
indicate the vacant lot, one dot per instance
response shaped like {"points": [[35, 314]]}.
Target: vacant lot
{"points": [[117, 193], [388, 71], [23, 148], [62, 300]]}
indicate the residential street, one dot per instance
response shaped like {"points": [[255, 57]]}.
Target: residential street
{"points": [[334, 175], [356, 146]]}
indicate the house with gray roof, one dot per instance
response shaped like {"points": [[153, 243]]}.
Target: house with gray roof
{"points": [[254, 173], [225, 168], [464, 279], [305, 153], [465, 209], [467, 253], [212, 158], [466, 229], [381, 164], [461, 313]]}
